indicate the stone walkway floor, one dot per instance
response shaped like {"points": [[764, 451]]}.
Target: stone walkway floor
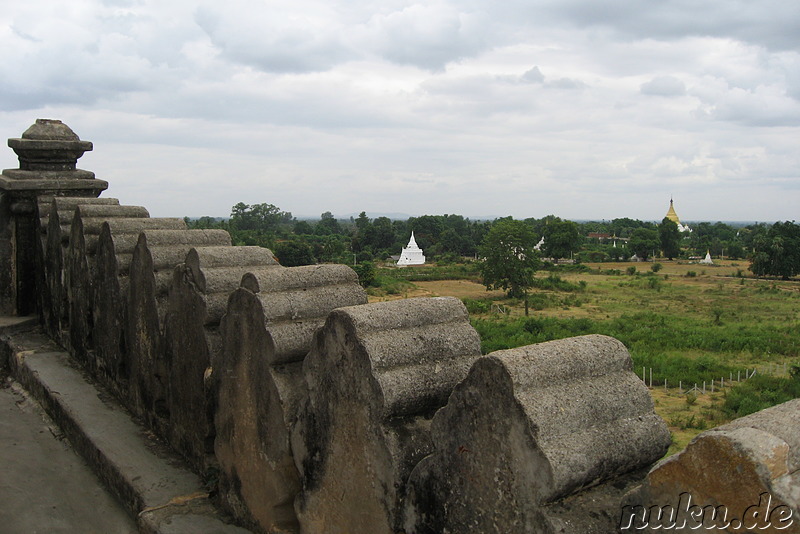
{"points": [[45, 487]]}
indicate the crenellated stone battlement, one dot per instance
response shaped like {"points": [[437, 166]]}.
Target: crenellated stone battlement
{"points": [[305, 408]]}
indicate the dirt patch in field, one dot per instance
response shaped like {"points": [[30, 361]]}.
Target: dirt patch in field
{"points": [[461, 289]]}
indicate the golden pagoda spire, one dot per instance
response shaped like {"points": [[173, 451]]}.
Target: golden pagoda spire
{"points": [[671, 215]]}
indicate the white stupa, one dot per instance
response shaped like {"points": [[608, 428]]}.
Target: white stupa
{"points": [[412, 254], [707, 260]]}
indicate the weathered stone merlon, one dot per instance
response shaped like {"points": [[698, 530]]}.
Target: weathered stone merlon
{"points": [[218, 271], [260, 382], [93, 210], [734, 465], [412, 348], [216, 257], [375, 374], [67, 205], [580, 396], [266, 281], [127, 225], [529, 426], [125, 243], [296, 300]]}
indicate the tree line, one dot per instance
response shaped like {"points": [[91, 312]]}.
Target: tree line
{"points": [[774, 250]]}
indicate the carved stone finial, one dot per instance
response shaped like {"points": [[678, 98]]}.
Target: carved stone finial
{"points": [[49, 145]]}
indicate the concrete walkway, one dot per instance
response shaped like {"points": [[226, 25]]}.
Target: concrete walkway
{"points": [[45, 487]]}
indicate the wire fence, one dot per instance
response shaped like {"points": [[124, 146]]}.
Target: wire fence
{"points": [[714, 384]]}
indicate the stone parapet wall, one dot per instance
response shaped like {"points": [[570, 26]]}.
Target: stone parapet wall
{"points": [[308, 409]]}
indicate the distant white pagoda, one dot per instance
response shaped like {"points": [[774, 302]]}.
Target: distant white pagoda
{"points": [[707, 260], [412, 254]]}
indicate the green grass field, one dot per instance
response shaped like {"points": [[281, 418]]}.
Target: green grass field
{"points": [[689, 323]]}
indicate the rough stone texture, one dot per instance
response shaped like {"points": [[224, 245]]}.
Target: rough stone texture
{"points": [[46, 265], [144, 358], [7, 264], [151, 270], [48, 152], [267, 331], [732, 465], [54, 299], [49, 145], [80, 272], [67, 205], [218, 271], [196, 303], [375, 375], [527, 427], [115, 246], [78, 289]]}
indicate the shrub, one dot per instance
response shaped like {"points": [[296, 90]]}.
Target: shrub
{"points": [[554, 282], [654, 283], [691, 274], [656, 267], [366, 273], [759, 392], [477, 306], [540, 301]]}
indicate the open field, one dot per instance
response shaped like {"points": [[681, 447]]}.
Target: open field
{"points": [[688, 322]]}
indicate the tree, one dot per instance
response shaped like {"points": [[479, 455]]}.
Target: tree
{"points": [[260, 217], [327, 225], [777, 253], [362, 222], [380, 235], [509, 259], [302, 228], [670, 238], [293, 253], [561, 238], [643, 242]]}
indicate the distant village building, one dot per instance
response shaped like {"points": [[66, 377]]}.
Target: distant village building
{"points": [[672, 216], [412, 254]]}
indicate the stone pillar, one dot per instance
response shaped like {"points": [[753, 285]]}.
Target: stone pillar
{"points": [[48, 153]]}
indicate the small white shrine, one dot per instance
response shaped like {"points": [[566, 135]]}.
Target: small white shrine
{"points": [[707, 260], [412, 254]]}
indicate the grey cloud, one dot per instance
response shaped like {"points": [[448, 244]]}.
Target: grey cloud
{"points": [[533, 75], [663, 86], [425, 35], [271, 42], [770, 23], [566, 83], [429, 35], [754, 112]]}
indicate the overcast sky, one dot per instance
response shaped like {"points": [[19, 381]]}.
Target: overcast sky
{"points": [[579, 108]]}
